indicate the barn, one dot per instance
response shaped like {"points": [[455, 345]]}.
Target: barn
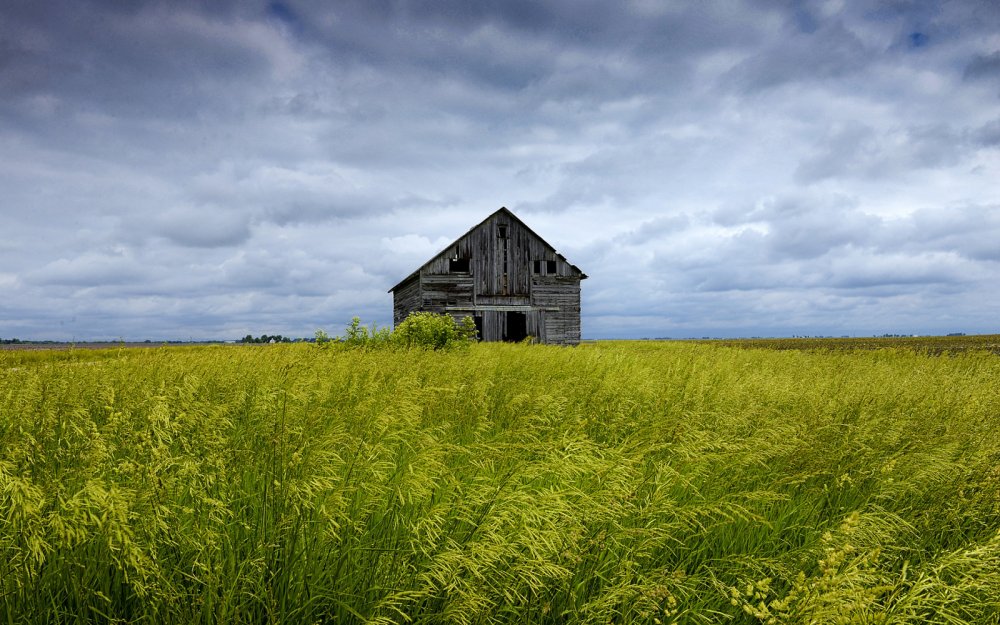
{"points": [[503, 275]]}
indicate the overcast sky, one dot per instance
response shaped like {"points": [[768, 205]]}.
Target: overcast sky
{"points": [[178, 170]]}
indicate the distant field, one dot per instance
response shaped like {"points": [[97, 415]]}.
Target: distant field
{"points": [[928, 344], [617, 482], [932, 344], [28, 346]]}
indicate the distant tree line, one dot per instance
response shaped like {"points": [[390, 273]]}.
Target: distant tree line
{"points": [[265, 338], [25, 342]]}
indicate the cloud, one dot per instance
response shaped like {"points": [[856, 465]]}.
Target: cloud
{"points": [[983, 66], [988, 134], [173, 61], [657, 228], [88, 270], [202, 226], [816, 260], [830, 51], [970, 232], [308, 193], [857, 150], [863, 269], [203, 170]]}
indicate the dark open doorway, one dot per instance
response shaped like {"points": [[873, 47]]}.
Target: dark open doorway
{"points": [[517, 327], [479, 326]]}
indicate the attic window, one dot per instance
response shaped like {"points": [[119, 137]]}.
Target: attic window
{"points": [[502, 231], [458, 265], [544, 267]]}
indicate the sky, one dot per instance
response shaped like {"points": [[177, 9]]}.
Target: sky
{"points": [[205, 170]]}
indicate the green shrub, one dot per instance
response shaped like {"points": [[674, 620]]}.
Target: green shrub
{"points": [[423, 330], [357, 335], [433, 331]]}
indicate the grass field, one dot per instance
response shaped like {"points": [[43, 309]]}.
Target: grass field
{"points": [[618, 482], [925, 344]]}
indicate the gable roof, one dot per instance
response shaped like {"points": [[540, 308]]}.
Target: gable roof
{"points": [[502, 210]]}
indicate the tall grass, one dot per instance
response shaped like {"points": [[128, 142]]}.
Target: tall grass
{"points": [[616, 482]]}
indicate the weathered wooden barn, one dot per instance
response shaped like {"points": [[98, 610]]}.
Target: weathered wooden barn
{"points": [[503, 275]]}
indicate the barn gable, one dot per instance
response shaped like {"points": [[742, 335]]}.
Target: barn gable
{"points": [[501, 273]]}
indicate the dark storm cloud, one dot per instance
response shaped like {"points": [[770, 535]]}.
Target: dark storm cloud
{"points": [[988, 134], [581, 51], [983, 66], [23, 69], [827, 52], [284, 13]]}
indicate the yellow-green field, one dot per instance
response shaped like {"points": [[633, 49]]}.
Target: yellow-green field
{"points": [[628, 482], [926, 344]]}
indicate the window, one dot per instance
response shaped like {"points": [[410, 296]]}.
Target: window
{"points": [[458, 265], [544, 267], [502, 231]]}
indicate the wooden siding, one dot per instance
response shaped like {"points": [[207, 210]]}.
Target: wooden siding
{"points": [[508, 286], [438, 291], [561, 294], [405, 299], [483, 247]]}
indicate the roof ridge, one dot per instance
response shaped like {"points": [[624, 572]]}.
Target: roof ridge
{"points": [[502, 209]]}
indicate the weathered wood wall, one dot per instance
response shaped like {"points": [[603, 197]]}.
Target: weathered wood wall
{"points": [[439, 291], [483, 246], [510, 270], [405, 299], [562, 293]]}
